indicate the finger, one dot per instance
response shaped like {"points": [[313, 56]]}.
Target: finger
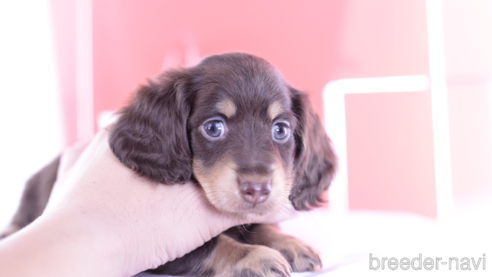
{"points": [[74, 160], [69, 157]]}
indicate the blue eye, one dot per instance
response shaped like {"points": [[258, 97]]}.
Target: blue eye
{"points": [[280, 132], [214, 128]]}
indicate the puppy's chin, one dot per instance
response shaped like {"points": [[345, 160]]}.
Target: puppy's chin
{"points": [[220, 184]]}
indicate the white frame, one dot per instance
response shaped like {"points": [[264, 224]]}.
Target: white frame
{"points": [[335, 124], [84, 70]]}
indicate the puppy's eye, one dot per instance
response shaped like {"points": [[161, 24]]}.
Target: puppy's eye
{"points": [[214, 128], [280, 132]]}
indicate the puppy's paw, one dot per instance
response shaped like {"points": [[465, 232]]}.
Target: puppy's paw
{"points": [[300, 255], [231, 258], [261, 261]]}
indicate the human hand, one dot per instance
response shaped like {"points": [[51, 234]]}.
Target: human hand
{"points": [[133, 222]]}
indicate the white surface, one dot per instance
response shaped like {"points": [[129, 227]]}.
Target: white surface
{"points": [[346, 242]]}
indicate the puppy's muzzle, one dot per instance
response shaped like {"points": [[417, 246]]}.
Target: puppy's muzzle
{"points": [[255, 181], [254, 192]]}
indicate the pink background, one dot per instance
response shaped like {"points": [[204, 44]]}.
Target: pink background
{"points": [[389, 136]]}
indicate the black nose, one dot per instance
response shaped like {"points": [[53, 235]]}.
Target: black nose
{"points": [[255, 193]]}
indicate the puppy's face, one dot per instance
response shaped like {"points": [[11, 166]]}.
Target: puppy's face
{"points": [[232, 123], [241, 135]]}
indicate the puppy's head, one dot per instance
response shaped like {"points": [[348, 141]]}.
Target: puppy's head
{"points": [[232, 123]]}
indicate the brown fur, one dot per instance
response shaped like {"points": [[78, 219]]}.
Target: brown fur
{"points": [[34, 199], [162, 135], [300, 256], [232, 258]]}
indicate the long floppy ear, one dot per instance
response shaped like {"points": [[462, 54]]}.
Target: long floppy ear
{"points": [[150, 136], [315, 161]]}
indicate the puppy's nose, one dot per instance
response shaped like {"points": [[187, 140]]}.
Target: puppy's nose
{"points": [[255, 193]]}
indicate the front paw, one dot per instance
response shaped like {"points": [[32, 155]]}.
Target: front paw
{"points": [[261, 261], [231, 258], [301, 256]]}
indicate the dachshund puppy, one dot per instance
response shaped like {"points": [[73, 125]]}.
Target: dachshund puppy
{"points": [[254, 144]]}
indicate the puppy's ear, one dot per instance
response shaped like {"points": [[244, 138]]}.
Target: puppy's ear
{"points": [[151, 136], [315, 161]]}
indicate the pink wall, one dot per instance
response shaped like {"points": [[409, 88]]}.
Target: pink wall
{"points": [[131, 39], [389, 136], [390, 152]]}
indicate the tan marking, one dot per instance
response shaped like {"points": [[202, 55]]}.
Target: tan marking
{"points": [[254, 178], [304, 257], [219, 184], [275, 110], [228, 259], [226, 107], [281, 186], [221, 188]]}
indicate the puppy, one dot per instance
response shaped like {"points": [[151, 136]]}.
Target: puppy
{"points": [[254, 144]]}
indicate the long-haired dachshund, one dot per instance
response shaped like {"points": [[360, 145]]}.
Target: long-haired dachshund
{"points": [[254, 144]]}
